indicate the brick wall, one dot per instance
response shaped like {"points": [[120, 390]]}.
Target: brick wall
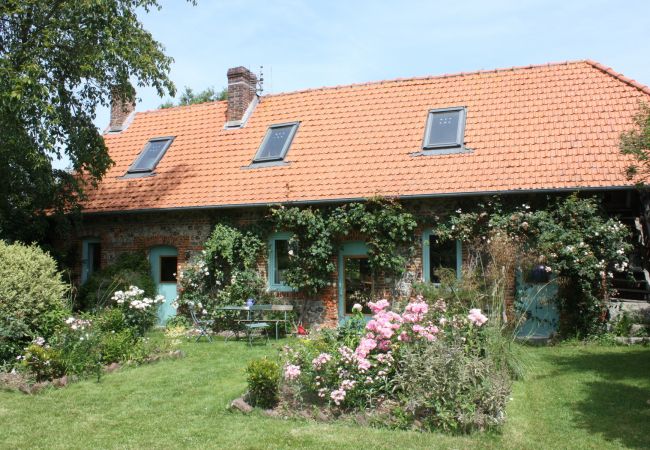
{"points": [[187, 231]]}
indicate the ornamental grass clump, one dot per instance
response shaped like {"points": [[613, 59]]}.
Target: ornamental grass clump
{"points": [[386, 368]]}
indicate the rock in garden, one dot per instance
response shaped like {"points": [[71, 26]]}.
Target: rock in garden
{"points": [[177, 354], [241, 405], [37, 387]]}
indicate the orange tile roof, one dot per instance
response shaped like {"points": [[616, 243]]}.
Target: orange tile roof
{"points": [[553, 126]]}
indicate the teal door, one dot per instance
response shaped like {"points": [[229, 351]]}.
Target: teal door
{"points": [[355, 278], [536, 305], [164, 264]]}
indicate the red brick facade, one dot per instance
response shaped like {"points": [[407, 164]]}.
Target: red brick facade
{"points": [[188, 230]]}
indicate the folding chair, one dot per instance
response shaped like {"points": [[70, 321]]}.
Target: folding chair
{"points": [[201, 325]]}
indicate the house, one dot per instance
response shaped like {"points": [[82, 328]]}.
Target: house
{"points": [[433, 142]]}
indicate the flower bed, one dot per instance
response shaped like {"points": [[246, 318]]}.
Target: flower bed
{"points": [[416, 366], [88, 345]]}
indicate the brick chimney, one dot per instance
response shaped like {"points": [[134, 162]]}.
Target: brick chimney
{"points": [[121, 113], [242, 95]]}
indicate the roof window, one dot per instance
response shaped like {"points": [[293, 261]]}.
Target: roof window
{"points": [[276, 143], [151, 155], [445, 128]]}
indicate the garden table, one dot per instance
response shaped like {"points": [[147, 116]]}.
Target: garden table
{"points": [[251, 322]]}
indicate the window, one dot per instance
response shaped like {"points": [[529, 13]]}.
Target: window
{"points": [[445, 128], [276, 142], [168, 269], [279, 255], [439, 255], [151, 155], [91, 258]]}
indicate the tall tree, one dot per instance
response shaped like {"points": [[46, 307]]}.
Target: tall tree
{"points": [[636, 142], [189, 97], [60, 60]]}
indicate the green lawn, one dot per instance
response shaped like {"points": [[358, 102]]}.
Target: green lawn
{"points": [[573, 397]]}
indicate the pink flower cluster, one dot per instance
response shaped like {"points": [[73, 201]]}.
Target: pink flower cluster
{"points": [[321, 360], [291, 371], [415, 310], [429, 332], [338, 396], [476, 317]]}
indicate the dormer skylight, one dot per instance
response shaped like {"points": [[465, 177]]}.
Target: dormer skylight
{"points": [[151, 155], [445, 129], [276, 143]]}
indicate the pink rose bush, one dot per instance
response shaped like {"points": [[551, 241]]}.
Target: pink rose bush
{"points": [[358, 369]]}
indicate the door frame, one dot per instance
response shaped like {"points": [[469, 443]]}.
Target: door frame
{"points": [[157, 252], [357, 249]]}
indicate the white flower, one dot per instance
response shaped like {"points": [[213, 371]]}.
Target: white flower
{"points": [[290, 252], [357, 307]]}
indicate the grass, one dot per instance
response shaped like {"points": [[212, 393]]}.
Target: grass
{"points": [[573, 397]]}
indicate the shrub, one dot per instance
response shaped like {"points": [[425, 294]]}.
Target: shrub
{"points": [[43, 361], [116, 346], [79, 346], [111, 320], [31, 295], [14, 336], [384, 369], [130, 269], [444, 388], [263, 379], [139, 311], [177, 321]]}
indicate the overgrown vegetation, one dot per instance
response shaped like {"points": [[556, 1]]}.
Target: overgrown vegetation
{"points": [[422, 365], [571, 237]]}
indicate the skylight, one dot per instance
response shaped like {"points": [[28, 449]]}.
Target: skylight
{"points": [[445, 128], [276, 142], [151, 155]]}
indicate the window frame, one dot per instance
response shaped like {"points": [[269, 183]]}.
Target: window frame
{"points": [[426, 257], [285, 149], [160, 269], [272, 263], [460, 133], [132, 168]]}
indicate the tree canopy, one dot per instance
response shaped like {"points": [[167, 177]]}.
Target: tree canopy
{"points": [[636, 142], [189, 97], [59, 61]]}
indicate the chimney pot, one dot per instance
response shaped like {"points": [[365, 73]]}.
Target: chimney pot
{"points": [[242, 91]]}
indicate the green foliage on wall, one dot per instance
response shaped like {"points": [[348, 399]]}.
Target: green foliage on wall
{"points": [[571, 236], [316, 233]]}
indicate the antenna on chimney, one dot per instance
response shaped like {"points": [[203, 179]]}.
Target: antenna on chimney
{"points": [[260, 81]]}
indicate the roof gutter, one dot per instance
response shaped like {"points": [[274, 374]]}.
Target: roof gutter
{"points": [[359, 199]]}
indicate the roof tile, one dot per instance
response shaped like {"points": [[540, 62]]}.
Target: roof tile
{"points": [[553, 126]]}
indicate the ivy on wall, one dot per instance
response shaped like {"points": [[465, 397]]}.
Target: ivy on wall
{"points": [[316, 233], [571, 237]]}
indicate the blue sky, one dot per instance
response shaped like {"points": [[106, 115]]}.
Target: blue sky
{"points": [[304, 44]]}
